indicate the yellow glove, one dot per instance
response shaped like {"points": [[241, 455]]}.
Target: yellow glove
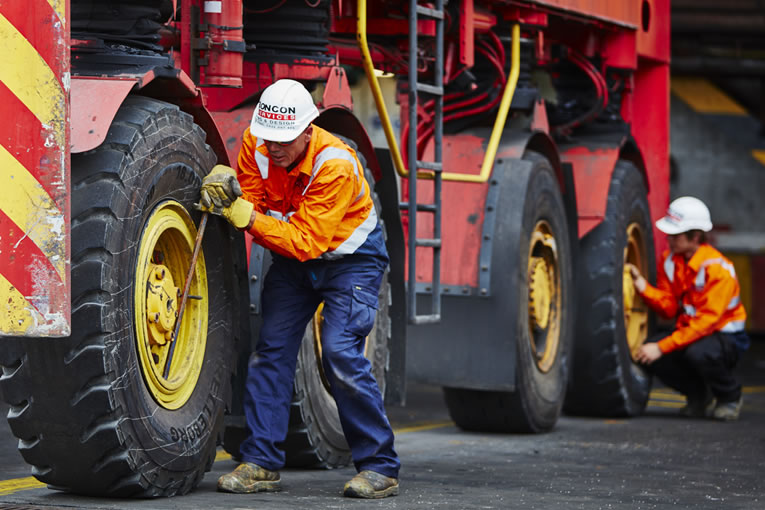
{"points": [[219, 188], [238, 213]]}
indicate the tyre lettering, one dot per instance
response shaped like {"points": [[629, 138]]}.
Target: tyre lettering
{"points": [[199, 426]]}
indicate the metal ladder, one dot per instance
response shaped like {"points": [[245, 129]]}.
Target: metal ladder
{"points": [[437, 91]]}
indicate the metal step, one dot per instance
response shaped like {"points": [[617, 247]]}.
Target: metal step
{"points": [[436, 91]]}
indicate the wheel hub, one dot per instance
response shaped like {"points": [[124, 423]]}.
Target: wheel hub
{"points": [[540, 292], [161, 304], [544, 296]]}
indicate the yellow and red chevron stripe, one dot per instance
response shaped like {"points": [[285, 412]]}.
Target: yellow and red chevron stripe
{"points": [[34, 168]]}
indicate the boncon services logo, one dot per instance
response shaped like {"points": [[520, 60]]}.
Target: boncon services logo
{"points": [[273, 112]]}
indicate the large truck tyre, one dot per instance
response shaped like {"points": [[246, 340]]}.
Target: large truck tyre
{"points": [[94, 413], [533, 225], [613, 321]]}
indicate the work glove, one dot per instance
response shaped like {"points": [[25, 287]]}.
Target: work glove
{"points": [[238, 213], [220, 188]]}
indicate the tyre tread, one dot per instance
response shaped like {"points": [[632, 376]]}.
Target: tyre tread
{"points": [[599, 385]]}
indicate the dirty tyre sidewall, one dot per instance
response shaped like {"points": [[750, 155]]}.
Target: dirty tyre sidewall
{"points": [[605, 380], [170, 159], [541, 394]]}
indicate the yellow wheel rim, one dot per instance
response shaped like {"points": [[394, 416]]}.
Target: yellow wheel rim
{"points": [[635, 311], [544, 296], [164, 254]]}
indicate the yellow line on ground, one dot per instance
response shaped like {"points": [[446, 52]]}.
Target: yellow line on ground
{"points": [[674, 405], [753, 389], [19, 484], [704, 97], [666, 396], [424, 426], [759, 155]]}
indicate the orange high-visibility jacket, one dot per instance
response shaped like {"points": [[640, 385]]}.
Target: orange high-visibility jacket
{"points": [[705, 292], [321, 208]]}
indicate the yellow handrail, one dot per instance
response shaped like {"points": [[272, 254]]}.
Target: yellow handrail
{"points": [[499, 123], [369, 70]]}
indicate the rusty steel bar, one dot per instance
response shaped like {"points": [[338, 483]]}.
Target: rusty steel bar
{"points": [[185, 295]]}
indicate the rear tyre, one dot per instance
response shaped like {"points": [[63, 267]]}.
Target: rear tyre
{"points": [[104, 419], [613, 321], [541, 299]]}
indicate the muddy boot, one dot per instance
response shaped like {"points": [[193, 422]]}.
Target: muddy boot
{"points": [[728, 411], [249, 477], [371, 485], [698, 407]]}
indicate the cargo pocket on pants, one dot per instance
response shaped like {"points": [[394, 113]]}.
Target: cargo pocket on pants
{"points": [[362, 314]]}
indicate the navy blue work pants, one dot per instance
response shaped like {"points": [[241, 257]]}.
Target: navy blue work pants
{"points": [[703, 366], [291, 294]]}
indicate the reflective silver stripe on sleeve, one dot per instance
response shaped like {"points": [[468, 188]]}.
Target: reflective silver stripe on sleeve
{"points": [[733, 327], [735, 300], [260, 159], [262, 162], [690, 310], [328, 154], [669, 268], [357, 238], [701, 278], [361, 193]]}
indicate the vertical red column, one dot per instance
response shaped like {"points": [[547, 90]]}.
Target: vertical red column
{"points": [[224, 36], [34, 157]]}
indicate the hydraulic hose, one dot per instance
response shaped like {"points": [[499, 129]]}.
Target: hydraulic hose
{"points": [[499, 123]]}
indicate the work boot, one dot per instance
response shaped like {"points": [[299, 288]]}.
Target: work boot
{"points": [[371, 485], [728, 411], [249, 477], [698, 407]]}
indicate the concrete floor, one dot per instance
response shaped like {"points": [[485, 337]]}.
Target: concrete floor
{"points": [[656, 461]]}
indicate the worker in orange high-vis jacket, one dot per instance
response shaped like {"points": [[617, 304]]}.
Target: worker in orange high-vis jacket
{"points": [[697, 286], [301, 192]]}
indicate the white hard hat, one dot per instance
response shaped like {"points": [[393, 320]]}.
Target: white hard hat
{"points": [[684, 214], [285, 109]]}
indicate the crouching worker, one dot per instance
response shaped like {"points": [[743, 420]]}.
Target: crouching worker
{"points": [[301, 193], [698, 286]]}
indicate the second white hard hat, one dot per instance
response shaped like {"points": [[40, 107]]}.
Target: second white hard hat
{"points": [[684, 214], [285, 109]]}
